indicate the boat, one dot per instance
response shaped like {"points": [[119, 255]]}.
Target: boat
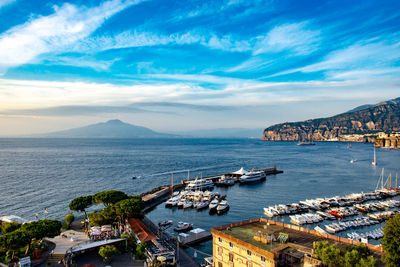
{"points": [[252, 176], [306, 144], [204, 204], [165, 223], [172, 202], [183, 227], [199, 184], [374, 162], [213, 205], [225, 181], [188, 204], [222, 207]]}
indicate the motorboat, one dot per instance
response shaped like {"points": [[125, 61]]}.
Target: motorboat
{"points": [[165, 223], [183, 227], [188, 204], [180, 203], [213, 204], [172, 202], [204, 204], [225, 181], [222, 207], [199, 184], [252, 176]]}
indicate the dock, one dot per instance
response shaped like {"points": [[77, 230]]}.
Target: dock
{"points": [[159, 194]]}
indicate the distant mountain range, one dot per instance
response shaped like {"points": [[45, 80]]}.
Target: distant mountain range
{"points": [[109, 129], [366, 119], [119, 129]]}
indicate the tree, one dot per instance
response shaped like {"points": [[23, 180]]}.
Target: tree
{"points": [[81, 204], [329, 254], [108, 252], [69, 218], [8, 227], [391, 242], [105, 216], [109, 197], [131, 207], [370, 261], [140, 249]]}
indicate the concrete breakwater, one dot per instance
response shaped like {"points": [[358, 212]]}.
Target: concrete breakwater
{"points": [[159, 194]]}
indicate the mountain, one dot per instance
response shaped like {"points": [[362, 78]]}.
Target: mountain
{"points": [[223, 133], [359, 122], [109, 129]]}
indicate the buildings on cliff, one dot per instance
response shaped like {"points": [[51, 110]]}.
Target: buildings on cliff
{"points": [[391, 141], [265, 243]]}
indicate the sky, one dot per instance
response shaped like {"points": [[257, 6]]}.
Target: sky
{"points": [[188, 65]]}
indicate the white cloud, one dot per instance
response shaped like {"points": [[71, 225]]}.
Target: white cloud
{"points": [[295, 37], [55, 32]]}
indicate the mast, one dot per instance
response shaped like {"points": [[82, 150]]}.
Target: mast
{"points": [[396, 180], [374, 162], [172, 182]]}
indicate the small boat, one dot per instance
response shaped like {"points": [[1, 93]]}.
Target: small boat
{"points": [[222, 207], [165, 223], [172, 202], [213, 205], [225, 181], [306, 144], [183, 227], [180, 203], [134, 177], [188, 204], [252, 176], [202, 205]]}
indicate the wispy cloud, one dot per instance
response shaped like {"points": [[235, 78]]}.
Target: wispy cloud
{"points": [[296, 37], [67, 25]]}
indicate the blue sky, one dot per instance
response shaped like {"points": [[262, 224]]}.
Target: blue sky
{"points": [[185, 65]]}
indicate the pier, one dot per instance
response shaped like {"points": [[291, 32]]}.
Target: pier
{"points": [[159, 194]]}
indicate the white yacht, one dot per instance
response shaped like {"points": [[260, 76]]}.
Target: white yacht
{"points": [[172, 202], [252, 176], [199, 184], [223, 207], [214, 204]]}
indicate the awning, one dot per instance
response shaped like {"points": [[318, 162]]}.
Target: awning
{"points": [[241, 171], [95, 244]]}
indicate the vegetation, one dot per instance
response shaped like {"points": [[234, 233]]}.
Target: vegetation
{"points": [[130, 242], [332, 256], [391, 242], [81, 204], [69, 218], [131, 207], [22, 238], [8, 227], [109, 197], [108, 252], [140, 249]]}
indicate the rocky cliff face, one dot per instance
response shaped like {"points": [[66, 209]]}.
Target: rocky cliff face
{"points": [[383, 117]]}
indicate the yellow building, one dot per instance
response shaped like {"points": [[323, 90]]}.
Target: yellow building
{"points": [[264, 243]]}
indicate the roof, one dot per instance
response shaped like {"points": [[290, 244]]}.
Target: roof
{"points": [[141, 230], [241, 171], [95, 244]]}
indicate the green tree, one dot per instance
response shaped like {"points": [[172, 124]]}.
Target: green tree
{"points": [[69, 218], [391, 242], [109, 197], [329, 254], [140, 250], [370, 261], [128, 208], [8, 227], [81, 204], [108, 252], [105, 216], [351, 258]]}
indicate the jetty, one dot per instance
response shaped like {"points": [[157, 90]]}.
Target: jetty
{"points": [[159, 194]]}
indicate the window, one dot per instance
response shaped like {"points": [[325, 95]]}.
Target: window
{"points": [[231, 245], [262, 259], [248, 253], [249, 264], [230, 257], [219, 251], [219, 264], [219, 241]]}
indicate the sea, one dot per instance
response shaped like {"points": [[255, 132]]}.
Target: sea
{"points": [[39, 177]]}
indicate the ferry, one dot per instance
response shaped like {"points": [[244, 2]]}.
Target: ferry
{"points": [[252, 176], [306, 144], [199, 184]]}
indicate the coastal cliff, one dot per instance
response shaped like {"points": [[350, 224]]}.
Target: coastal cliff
{"points": [[358, 125]]}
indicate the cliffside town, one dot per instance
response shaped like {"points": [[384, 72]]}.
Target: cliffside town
{"points": [[359, 125]]}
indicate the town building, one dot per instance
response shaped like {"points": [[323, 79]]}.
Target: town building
{"points": [[266, 243]]}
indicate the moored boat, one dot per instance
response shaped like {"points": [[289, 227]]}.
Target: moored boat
{"points": [[252, 176], [222, 207], [183, 227]]}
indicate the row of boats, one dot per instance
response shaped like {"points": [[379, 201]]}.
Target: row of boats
{"points": [[241, 176], [326, 203], [199, 200], [374, 234], [345, 225], [382, 205]]}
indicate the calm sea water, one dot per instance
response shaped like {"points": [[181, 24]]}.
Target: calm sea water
{"points": [[36, 174]]}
